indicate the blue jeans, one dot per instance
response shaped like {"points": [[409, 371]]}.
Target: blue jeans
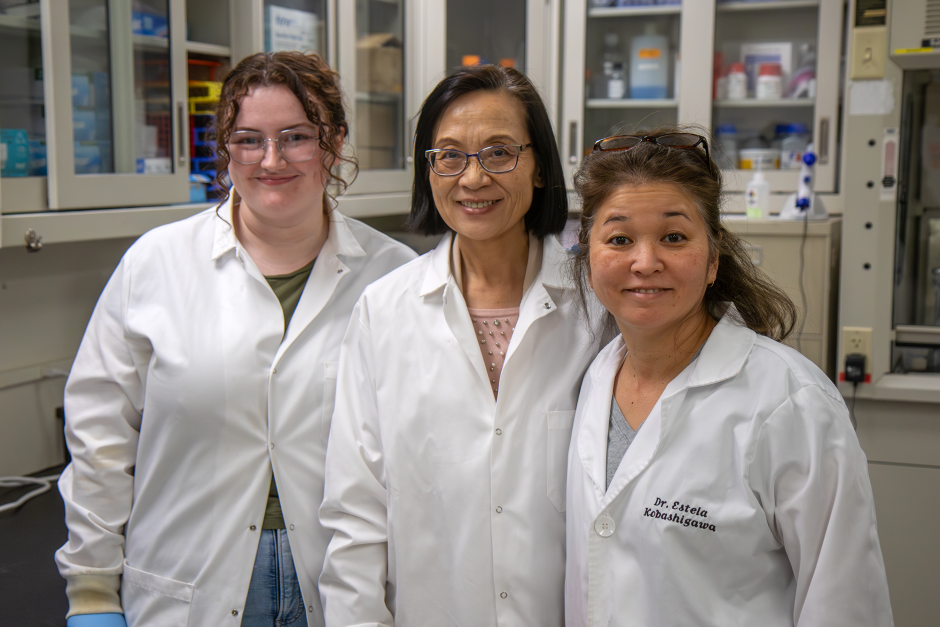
{"points": [[274, 598]]}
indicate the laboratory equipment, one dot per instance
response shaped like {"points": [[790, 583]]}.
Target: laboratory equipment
{"points": [[804, 203]]}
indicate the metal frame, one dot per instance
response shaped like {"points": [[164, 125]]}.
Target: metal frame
{"points": [[68, 190]]}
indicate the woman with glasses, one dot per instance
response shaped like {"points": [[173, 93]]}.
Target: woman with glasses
{"points": [[198, 407], [445, 480], [714, 477]]}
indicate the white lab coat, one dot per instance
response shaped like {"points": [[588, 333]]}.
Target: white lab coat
{"points": [[181, 398], [743, 500], [448, 504]]}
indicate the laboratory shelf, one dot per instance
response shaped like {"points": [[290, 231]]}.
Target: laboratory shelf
{"points": [[659, 9], [748, 103], [17, 22], [631, 103], [210, 49], [766, 6], [151, 42]]}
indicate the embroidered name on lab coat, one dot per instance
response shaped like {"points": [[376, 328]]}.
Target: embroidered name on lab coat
{"points": [[678, 516]]}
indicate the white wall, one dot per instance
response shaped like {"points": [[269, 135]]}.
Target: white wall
{"points": [[46, 299]]}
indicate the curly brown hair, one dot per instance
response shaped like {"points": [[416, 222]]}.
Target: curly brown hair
{"points": [[761, 305], [317, 88]]}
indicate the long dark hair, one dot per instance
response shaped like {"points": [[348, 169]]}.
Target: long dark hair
{"points": [[549, 208], [761, 305], [317, 88]]}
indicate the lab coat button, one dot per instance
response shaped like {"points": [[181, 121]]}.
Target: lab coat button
{"points": [[548, 305], [292, 527], [604, 526], [234, 612], [499, 432], [309, 608], [252, 528], [499, 510], [503, 595], [272, 444]]}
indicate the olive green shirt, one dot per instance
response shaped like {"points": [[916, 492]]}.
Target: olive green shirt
{"points": [[288, 289]]}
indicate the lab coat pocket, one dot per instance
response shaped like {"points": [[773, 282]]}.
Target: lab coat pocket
{"points": [[330, 372], [559, 436], [149, 599]]}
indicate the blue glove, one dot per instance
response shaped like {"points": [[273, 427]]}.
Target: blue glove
{"points": [[96, 620]]}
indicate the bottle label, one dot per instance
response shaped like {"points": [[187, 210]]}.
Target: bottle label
{"points": [[649, 53]]}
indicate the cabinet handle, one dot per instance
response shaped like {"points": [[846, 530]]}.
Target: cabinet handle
{"points": [[822, 149], [181, 131], [573, 143]]}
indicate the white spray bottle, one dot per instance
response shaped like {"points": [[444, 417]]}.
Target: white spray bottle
{"points": [[757, 196]]}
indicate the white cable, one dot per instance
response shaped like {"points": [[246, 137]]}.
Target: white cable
{"points": [[44, 483]]}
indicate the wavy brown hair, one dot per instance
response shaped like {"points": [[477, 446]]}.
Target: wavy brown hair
{"points": [[317, 88], [761, 305]]}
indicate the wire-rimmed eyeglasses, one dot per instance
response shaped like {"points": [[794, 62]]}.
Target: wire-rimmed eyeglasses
{"points": [[670, 140], [494, 159], [294, 144]]}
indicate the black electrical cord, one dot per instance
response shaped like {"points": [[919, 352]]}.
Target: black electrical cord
{"points": [[799, 333]]}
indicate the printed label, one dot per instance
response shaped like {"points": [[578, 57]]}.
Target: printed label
{"points": [[676, 513], [649, 53]]}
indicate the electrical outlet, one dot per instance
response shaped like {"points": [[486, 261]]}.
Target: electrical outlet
{"points": [[855, 340]]}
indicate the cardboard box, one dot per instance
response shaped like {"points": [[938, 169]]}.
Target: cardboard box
{"points": [[376, 158], [376, 124], [379, 64]]}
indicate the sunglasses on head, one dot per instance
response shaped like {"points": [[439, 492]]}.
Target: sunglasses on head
{"points": [[685, 141]]}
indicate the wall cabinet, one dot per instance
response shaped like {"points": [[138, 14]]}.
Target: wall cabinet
{"points": [[638, 67], [103, 119], [805, 264]]}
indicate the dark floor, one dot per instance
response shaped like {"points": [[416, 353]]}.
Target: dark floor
{"points": [[31, 592]]}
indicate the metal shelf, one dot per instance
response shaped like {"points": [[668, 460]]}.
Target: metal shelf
{"points": [[659, 9], [749, 103], [631, 103], [766, 6], [214, 50]]}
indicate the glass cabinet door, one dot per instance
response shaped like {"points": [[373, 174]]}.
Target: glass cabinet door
{"points": [[119, 73], [773, 89], [629, 74], [295, 25], [22, 114], [372, 64], [488, 31]]}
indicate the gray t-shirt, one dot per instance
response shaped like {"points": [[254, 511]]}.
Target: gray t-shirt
{"points": [[619, 438]]}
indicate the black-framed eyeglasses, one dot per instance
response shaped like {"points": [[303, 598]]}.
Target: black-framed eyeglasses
{"points": [[294, 144], [686, 141], [494, 159]]}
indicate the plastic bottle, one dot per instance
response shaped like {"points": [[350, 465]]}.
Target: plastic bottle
{"points": [[795, 139], [737, 82], [611, 55], [757, 196], [649, 65], [616, 86], [769, 82], [727, 136]]}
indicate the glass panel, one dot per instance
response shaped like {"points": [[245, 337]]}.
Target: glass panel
{"points": [[22, 116], [487, 31], [380, 81], [917, 244], [765, 82], [121, 104], [205, 75], [631, 78], [295, 25]]}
